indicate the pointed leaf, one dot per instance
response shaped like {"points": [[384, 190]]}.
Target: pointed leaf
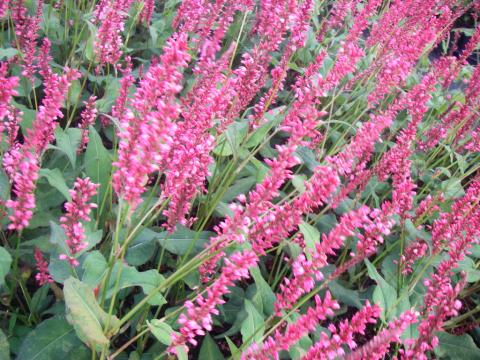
{"points": [[98, 165], [67, 142], [311, 236], [210, 350], [182, 239], [4, 347], [56, 180], [253, 326], [5, 262], [384, 294], [85, 314], [234, 350], [266, 293], [130, 277], [162, 331], [54, 338], [94, 266], [456, 347]]}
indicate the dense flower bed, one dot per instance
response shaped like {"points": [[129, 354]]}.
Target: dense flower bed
{"points": [[264, 179]]}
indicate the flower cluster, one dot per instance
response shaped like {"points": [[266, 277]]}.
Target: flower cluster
{"points": [[147, 129], [110, 14], [343, 334], [199, 314], [43, 276], [88, 117], [286, 154], [294, 331], [77, 210]]}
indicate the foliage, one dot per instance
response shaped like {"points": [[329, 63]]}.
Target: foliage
{"points": [[239, 179]]}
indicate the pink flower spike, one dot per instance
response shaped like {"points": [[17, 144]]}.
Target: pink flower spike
{"points": [[294, 331], [376, 348], [43, 276], [7, 90], [77, 210], [88, 117], [343, 334], [198, 317]]}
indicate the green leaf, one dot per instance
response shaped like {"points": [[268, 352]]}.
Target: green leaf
{"points": [[54, 338], [452, 188], [298, 182], [468, 266], [94, 266], [85, 314], [4, 185], [384, 294], [234, 350], [67, 142], [404, 305], [59, 269], [5, 262], [344, 295], [40, 299], [162, 331], [142, 248], [229, 142], [308, 157], [92, 239], [56, 180], [130, 277], [253, 326], [210, 350], [104, 105], [240, 186], [98, 164], [182, 239], [58, 238], [266, 293], [258, 136], [74, 92], [456, 347], [90, 45], [8, 53], [181, 353], [311, 236], [4, 347]]}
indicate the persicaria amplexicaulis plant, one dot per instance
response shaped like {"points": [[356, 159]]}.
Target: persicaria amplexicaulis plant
{"points": [[254, 179]]}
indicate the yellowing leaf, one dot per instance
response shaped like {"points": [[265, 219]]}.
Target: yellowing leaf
{"points": [[85, 314]]}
